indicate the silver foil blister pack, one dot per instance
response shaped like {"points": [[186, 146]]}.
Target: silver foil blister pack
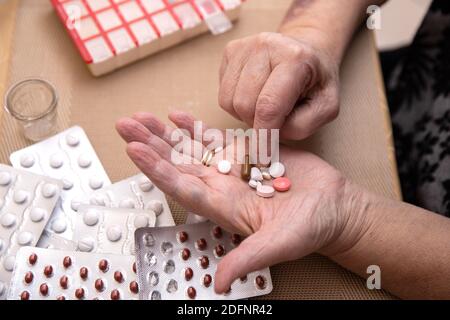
{"points": [[45, 274], [109, 230], [70, 157], [177, 263], [27, 201], [136, 192]]}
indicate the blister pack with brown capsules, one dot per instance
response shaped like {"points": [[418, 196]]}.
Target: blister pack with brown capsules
{"points": [[176, 263]]}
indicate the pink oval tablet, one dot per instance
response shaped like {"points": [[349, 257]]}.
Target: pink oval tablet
{"points": [[282, 184]]}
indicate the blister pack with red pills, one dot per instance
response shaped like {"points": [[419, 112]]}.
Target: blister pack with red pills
{"points": [[110, 34]]}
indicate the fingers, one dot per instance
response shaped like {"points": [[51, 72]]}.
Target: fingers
{"points": [[311, 115], [131, 130], [251, 82]]}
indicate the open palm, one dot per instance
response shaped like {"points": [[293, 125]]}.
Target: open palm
{"points": [[306, 219]]}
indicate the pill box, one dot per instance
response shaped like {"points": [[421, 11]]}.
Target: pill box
{"points": [[45, 274], [109, 230], [136, 192], [177, 263], [110, 34], [68, 156], [27, 201]]}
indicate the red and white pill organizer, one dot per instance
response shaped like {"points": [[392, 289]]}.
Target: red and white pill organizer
{"points": [[110, 34]]}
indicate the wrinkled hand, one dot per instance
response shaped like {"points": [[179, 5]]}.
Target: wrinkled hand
{"points": [[273, 81], [308, 218]]}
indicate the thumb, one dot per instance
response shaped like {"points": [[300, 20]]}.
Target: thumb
{"points": [[254, 253]]}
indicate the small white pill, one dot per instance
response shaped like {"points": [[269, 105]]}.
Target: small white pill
{"points": [[37, 214], [265, 191], [255, 174], [67, 184], [224, 166], [49, 190], [95, 182], [56, 160], [266, 175], [156, 206], [198, 219], [20, 196], [86, 244], [72, 140], [277, 170], [145, 184], [84, 160], [27, 160], [8, 263], [91, 217], [127, 204], [25, 238], [254, 184], [75, 204], [59, 225], [8, 220], [114, 233], [5, 178], [98, 200], [140, 222], [218, 150]]}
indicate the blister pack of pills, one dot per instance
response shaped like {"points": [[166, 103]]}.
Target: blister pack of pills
{"points": [[45, 274], [136, 192], [112, 33], [27, 201], [109, 230], [178, 263], [68, 156]]}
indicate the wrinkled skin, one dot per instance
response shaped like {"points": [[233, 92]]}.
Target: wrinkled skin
{"points": [[308, 218]]}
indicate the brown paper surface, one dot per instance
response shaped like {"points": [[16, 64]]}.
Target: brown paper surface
{"points": [[359, 143]]}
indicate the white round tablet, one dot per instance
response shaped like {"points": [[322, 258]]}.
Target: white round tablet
{"points": [[75, 204], [84, 160], [86, 244], [27, 160], [140, 222], [59, 225], [5, 178], [20, 196], [49, 190], [67, 184], [145, 184], [98, 200], [277, 169], [37, 214], [56, 160], [127, 204], [114, 233], [72, 140], [25, 238], [8, 220], [255, 174], [156, 206], [254, 184], [265, 191], [91, 217], [8, 263], [224, 166], [95, 182]]}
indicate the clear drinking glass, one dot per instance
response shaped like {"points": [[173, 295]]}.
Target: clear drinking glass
{"points": [[33, 103]]}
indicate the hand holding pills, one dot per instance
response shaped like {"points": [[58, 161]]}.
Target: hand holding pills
{"points": [[287, 226]]}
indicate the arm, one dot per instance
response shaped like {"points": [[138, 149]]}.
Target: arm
{"points": [[409, 244]]}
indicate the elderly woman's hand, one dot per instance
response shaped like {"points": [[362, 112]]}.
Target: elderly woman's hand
{"points": [[274, 81], [314, 215]]}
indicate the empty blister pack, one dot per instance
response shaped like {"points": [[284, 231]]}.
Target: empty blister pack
{"points": [[45, 274], [136, 192], [26, 204], [109, 230], [176, 263], [68, 156]]}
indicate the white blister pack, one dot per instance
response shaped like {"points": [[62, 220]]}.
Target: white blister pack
{"points": [[136, 192], [27, 201], [68, 156], [109, 230], [177, 263], [45, 274]]}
